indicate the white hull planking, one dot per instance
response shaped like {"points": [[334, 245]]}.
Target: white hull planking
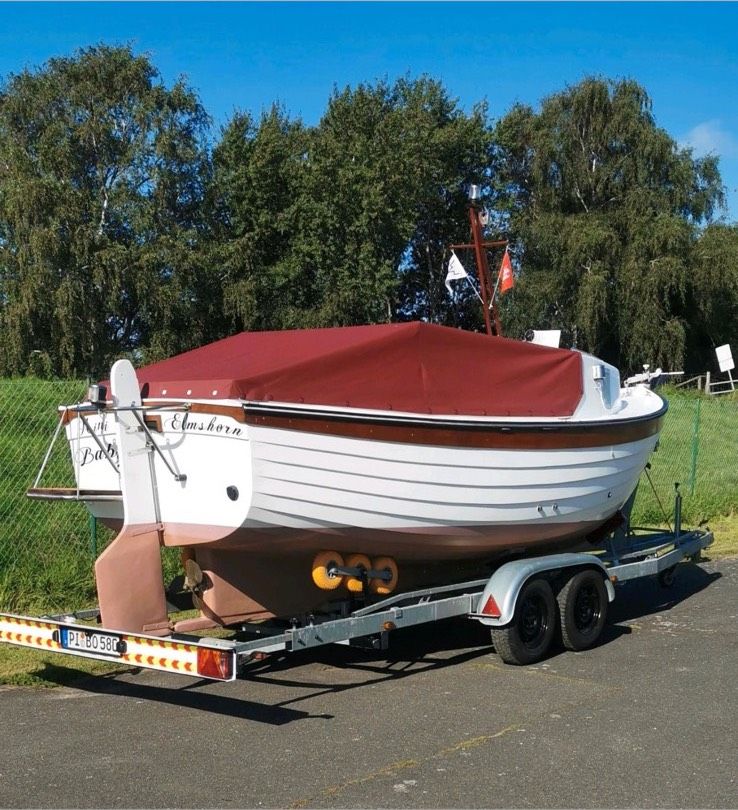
{"points": [[312, 481]]}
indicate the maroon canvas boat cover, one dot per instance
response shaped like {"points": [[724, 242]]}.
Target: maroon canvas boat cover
{"points": [[412, 367]]}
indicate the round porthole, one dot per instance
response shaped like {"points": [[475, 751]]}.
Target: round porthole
{"points": [[232, 493]]}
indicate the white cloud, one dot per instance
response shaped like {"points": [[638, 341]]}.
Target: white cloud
{"points": [[709, 137]]}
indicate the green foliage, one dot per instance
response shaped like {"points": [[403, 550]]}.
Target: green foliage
{"points": [[123, 233], [346, 222], [714, 291], [390, 165], [258, 176], [604, 207], [101, 178]]}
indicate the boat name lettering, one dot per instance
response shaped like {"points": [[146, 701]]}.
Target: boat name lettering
{"points": [[185, 422], [98, 426], [86, 455]]}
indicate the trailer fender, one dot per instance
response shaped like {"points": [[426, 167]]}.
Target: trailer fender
{"points": [[505, 585]]}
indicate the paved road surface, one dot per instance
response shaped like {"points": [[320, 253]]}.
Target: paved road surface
{"points": [[649, 718]]}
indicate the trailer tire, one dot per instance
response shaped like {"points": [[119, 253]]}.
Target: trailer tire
{"points": [[667, 577], [528, 637], [582, 610]]}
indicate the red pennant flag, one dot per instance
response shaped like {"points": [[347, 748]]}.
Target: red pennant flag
{"points": [[505, 278]]}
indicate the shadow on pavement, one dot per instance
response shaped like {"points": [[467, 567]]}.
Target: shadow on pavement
{"points": [[412, 652], [187, 697], [416, 656], [645, 597]]}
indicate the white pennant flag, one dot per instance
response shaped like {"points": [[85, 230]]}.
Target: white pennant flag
{"points": [[455, 271]]}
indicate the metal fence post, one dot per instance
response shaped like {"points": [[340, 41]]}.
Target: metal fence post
{"points": [[93, 535], [695, 447]]}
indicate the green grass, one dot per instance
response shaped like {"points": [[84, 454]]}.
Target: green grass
{"points": [[45, 548], [725, 529], [698, 449], [22, 666]]}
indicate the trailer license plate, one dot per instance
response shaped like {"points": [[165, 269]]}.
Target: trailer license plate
{"points": [[90, 641]]}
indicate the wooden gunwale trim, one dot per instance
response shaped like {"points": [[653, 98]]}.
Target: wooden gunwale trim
{"points": [[72, 493], [67, 416], [234, 411], [214, 409], [441, 432], [497, 435]]}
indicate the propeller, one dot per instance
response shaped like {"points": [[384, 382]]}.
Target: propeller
{"points": [[193, 581]]}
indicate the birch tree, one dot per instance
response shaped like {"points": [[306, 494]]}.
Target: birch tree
{"points": [[102, 170]]}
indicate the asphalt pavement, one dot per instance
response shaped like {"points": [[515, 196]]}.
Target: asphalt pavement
{"points": [[646, 719]]}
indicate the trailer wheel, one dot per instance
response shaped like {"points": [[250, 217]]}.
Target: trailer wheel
{"points": [[527, 639], [582, 610], [667, 577]]}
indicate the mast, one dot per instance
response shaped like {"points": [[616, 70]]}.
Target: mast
{"points": [[486, 288]]}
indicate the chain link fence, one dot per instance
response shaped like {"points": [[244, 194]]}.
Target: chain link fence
{"points": [[47, 549], [698, 449]]}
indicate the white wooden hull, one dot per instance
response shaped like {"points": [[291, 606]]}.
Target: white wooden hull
{"points": [[403, 499]]}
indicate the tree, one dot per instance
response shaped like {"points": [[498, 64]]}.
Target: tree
{"points": [[448, 151], [605, 209], [345, 222], [102, 171], [714, 293], [353, 217], [257, 183], [387, 177]]}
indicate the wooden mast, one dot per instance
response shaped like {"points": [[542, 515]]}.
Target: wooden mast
{"points": [[486, 288]]}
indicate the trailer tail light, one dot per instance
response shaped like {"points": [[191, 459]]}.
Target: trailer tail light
{"points": [[490, 608], [215, 663]]}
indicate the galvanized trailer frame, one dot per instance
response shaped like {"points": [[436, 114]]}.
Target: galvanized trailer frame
{"points": [[628, 555], [655, 554]]}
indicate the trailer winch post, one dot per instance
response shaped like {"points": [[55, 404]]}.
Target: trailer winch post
{"points": [[677, 511]]}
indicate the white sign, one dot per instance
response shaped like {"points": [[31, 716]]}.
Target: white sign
{"points": [[725, 357], [547, 337]]}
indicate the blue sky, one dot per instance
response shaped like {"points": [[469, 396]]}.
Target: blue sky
{"points": [[246, 55]]}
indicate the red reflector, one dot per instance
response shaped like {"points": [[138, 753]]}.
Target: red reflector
{"points": [[214, 663], [490, 607]]}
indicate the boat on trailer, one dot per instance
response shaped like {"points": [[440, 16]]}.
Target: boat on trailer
{"points": [[291, 465], [333, 485]]}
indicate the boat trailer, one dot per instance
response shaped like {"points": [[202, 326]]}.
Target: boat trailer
{"points": [[523, 603]]}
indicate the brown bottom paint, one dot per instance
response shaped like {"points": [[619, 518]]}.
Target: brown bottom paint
{"points": [[258, 574]]}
